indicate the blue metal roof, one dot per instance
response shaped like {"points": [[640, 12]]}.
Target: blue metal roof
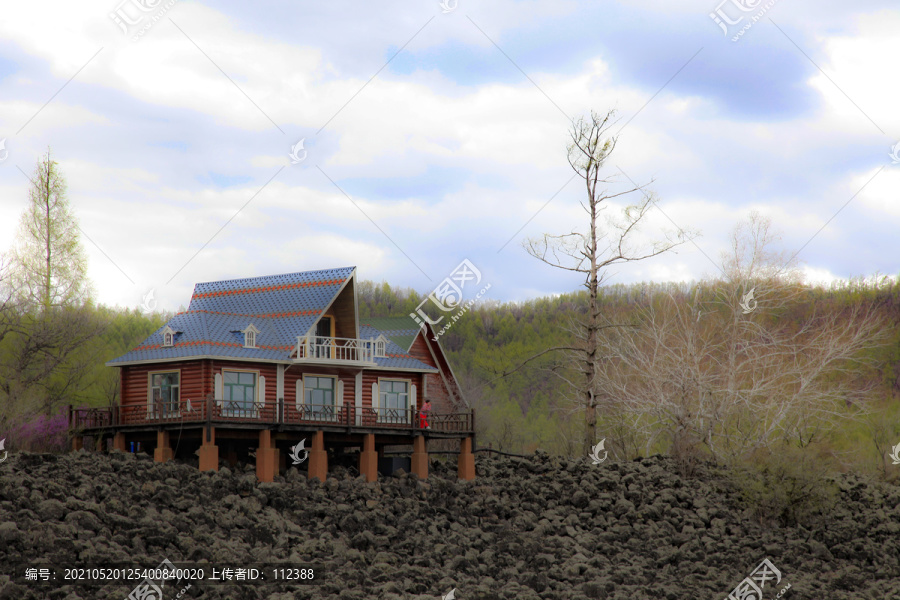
{"points": [[281, 307], [395, 356]]}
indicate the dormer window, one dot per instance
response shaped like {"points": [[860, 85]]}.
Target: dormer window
{"points": [[380, 344], [376, 346], [168, 335], [250, 336]]}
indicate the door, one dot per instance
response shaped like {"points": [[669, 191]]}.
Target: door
{"points": [[323, 338]]}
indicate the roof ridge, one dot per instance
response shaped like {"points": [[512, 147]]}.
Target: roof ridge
{"points": [[296, 313]]}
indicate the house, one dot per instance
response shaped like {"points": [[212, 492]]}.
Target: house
{"points": [[283, 364]]}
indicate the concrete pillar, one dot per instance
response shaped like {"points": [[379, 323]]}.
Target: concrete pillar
{"points": [[368, 459], [119, 442], [266, 457], [209, 452], [163, 450], [419, 457], [77, 442], [466, 464], [318, 458]]}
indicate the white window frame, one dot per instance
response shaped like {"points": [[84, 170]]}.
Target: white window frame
{"points": [[168, 335], [152, 411], [250, 333], [380, 344]]}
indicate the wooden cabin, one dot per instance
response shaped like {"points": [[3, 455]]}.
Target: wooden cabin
{"points": [[266, 363]]}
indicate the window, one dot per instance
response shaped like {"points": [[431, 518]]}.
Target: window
{"points": [[374, 348], [240, 394], [164, 394], [250, 336], [319, 398], [168, 337], [393, 401]]}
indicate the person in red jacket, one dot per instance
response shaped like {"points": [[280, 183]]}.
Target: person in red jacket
{"points": [[423, 415]]}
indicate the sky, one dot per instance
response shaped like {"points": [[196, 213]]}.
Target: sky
{"points": [[204, 141]]}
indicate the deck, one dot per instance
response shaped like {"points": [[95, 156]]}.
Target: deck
{"points": [[280, 415]]}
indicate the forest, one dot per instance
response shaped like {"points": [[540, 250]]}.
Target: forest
{"points": [[518, 412], [750, 363]]}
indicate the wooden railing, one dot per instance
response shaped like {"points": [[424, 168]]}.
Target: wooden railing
{"points": [[311, 348], [218, 411]]}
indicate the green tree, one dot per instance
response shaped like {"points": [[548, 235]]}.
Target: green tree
{"points": [[49, 266], [46, 317]]}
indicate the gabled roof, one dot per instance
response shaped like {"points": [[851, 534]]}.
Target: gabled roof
{"points": [[282, 307], [400, 330]]}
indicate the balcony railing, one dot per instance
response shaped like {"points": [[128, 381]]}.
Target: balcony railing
{"points": [[213, 411], [315, 348]]}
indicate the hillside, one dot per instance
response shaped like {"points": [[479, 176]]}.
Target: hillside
{"points": [[533, 528]]}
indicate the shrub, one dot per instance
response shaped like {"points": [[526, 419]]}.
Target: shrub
{"points": [[789, 487], [39, 434]]}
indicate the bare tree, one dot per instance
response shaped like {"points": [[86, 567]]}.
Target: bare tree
{"points": [[588, 151], [735, 372]]}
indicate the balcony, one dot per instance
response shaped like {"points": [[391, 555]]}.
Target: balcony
{"points": [[311, 348], [280, 413]]}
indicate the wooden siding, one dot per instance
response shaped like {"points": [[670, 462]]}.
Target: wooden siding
{"points": [[294, 373], [266, 370], [344, 311], [135, 380], [420, 351], [198, 379]]}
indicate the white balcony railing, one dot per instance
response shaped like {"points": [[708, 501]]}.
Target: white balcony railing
{"points": [[327, 349]]}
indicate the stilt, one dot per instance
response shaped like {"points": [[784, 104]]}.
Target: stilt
{"points": [[266, 457], [318, 458], [163, 450], [368, 459], [420, 457], [466, 463], [77, 443], [119, 442], [209, 452]]}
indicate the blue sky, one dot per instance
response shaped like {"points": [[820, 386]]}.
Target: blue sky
{"points": [[447, 131]]}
